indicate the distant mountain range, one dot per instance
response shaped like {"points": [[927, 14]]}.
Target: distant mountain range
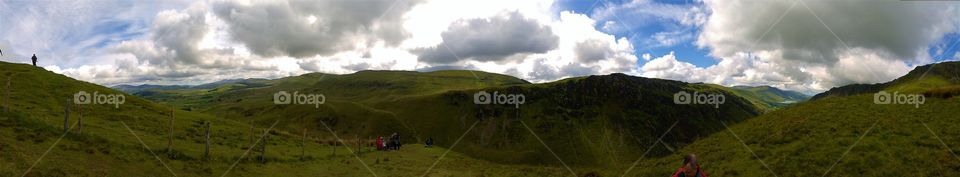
{"points": [[770, 98], [923, 78], [133, 89]]}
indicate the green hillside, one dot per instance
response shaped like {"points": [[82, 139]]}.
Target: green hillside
{"points": [[808, 138], [363, 86], [597, 125], [920, 79], [607, 115], [837, 135], [33, 142]]}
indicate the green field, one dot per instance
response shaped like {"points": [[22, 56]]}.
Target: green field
{"points": [[595, 125], [32, 133]]}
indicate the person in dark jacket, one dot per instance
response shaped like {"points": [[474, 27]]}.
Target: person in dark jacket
{"points": [[690, 168], [34, 58], [393, 143], [429, 142], [396, 141]]}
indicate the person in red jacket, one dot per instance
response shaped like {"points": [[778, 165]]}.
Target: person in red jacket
{"points": [[690, 168], [379, 143]]}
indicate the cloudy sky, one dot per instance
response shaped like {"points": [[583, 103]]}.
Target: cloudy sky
{"points": [[808, 46]]}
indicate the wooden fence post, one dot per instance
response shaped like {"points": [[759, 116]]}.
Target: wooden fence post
{"points": [[303, 145], [6, 95], [206, 146], [80, 119], [66, 116], [170, 131], [263, 147]]}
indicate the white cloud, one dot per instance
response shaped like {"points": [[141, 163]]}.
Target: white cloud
{"points": [[679, 21], [670, 38], [898, 29], [605, 54], [646, 12], [302, 29], [205, 41], [857, 66], [196, 42], [878, 42], [427, 21], [490, 39], [646, 56], [68, 33], [667, 67]]}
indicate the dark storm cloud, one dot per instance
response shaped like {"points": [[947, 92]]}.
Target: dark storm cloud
{"points": [[493, 39], [592, 50], [899, 30], [301, 29]]}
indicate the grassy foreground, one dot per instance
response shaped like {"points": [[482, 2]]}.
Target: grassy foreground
{"points": [[131, 140], [834, 136], [106, 151], [839, 136]]}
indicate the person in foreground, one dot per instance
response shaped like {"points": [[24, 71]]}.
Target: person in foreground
{"points": [[689, 168]]}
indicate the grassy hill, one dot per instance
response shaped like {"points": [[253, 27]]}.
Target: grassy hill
{"points": [[363, 86], [589, 121], [920, 79], [808, 138], [840, 135], [577, 108], [595, 124], [32, 138], [605, 115]]}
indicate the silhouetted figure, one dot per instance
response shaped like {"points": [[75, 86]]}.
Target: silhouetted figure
{"points": [[397, 142], [394, 142], [690, 168], [429, 142], [1, 52], [34, 58]]}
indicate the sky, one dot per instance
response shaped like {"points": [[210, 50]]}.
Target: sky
{"points": [[802, 45]]}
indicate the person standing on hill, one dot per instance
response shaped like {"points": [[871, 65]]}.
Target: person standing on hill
{"points": [[398, 144], [34, 58], [690, 168], [380, 143], [429, 142]]}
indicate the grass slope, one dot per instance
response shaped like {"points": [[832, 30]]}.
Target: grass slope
{"points": [[596, 124], [587, 121], [31, 133], [842, 133], [920, 79], [808, 138]]}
